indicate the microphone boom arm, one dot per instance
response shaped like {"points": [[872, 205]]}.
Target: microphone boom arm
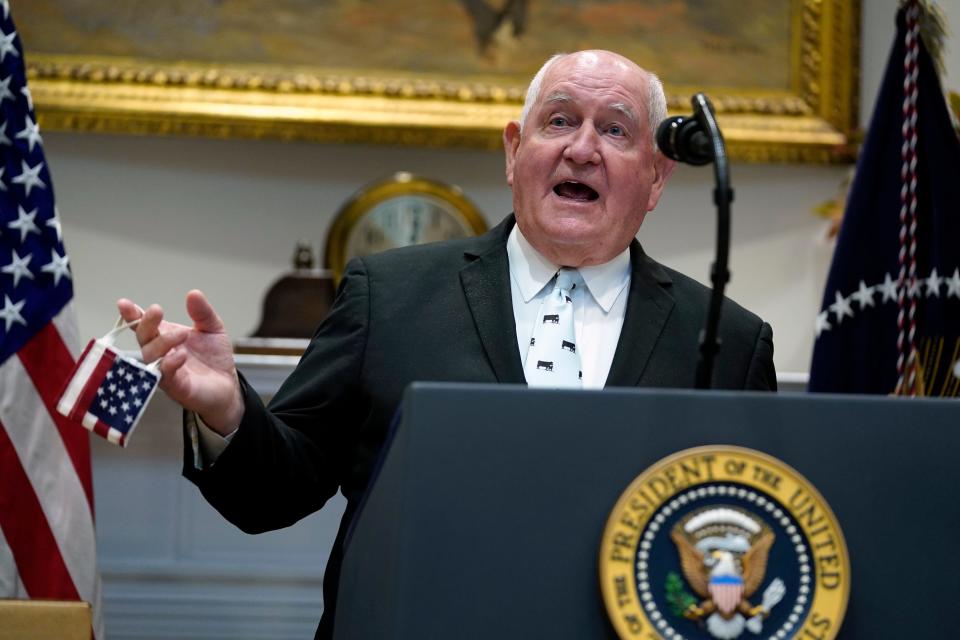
{"points": [[719, 273], [697, 140]]}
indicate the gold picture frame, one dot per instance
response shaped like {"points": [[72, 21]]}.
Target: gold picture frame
{"points": [[811, 118]]}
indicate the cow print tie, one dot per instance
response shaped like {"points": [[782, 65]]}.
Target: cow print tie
{"points": [[552, 359]]}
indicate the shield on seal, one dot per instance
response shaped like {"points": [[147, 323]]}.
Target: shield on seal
{"points": [[726, 592]]}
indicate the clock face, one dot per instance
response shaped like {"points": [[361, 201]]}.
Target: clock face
{"points": [[400, 211], [405, 220]]}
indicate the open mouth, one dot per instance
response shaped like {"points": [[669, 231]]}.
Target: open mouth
{"points": [[574, 190]]}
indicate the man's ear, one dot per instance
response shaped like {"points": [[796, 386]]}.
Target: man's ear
{"points": [[511, 144], [662, 167]]}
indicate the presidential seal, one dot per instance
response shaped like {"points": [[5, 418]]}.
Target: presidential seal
{"points": [[723, 542]]}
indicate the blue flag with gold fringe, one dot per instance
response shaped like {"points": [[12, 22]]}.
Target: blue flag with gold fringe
{"points": [[890, 317]]}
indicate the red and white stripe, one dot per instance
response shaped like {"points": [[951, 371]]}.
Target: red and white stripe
{"points": [[907, 295], [95, 361], [47, 541]]}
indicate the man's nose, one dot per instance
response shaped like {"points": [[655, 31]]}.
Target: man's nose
{"points": [[584, 146]]}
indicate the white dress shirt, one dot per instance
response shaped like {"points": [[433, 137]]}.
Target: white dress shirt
{"points": [[597, 315]]}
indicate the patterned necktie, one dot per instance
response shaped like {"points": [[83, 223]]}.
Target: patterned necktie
{"points": [[552, 360]]}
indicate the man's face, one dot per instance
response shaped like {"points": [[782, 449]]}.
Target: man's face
{"points": [[584, 172]]}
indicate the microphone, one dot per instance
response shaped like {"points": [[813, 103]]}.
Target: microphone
{"points": [[681, 138], [697, 140]]}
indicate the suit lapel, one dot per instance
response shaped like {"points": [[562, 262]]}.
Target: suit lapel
{"points": [[486, 285], [648, 307]]}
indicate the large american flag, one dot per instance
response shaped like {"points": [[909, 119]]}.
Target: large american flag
{"points": [[47, 543]]}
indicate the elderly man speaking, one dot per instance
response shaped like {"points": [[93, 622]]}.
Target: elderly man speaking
{"points": [[558, 294]]}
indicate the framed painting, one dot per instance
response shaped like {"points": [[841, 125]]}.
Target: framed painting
{"points": [[782, 73]]}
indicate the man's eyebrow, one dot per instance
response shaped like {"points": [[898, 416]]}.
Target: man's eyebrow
{"points": [[625, 109], [622, 107], [558, 96]]}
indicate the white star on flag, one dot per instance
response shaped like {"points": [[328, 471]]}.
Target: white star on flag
{"points": [[913, 291], [11, 312], [29, 96], [841, 307], [58, 267], [933, 284], [54, 222], [18, 267], [3, 183], [889, 288], [25, 223], [823, 323], [30, 133], [863, 295], [7, 46], [6, 8], [5, 90], [30, 177], [953, 284], [4, 140]]}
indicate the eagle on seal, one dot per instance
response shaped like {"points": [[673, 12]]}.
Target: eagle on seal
{"points": [[725, 579]]}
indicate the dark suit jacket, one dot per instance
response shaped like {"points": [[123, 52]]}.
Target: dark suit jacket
{"points": [[440, 312]]}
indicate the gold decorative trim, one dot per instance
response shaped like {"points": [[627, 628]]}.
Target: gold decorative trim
{"points": [[812, 122]]}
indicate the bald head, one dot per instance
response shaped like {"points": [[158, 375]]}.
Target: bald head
{"points": [[650, 89]]}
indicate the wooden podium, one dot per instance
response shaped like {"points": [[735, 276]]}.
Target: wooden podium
{"points": [[44, 620]]}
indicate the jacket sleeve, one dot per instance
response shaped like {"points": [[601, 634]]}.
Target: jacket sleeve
{"points": [[287, 459], [761, 375]]}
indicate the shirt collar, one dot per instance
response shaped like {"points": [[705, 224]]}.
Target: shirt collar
{"points": [[532, 272]]}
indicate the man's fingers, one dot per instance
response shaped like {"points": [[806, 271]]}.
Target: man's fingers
{"points": [[149, 327], [170, 365], [200, 310], [128, 310], [163, 342]]}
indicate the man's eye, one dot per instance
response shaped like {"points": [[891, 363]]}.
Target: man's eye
{"points": [[558, 121], [616, 130]]}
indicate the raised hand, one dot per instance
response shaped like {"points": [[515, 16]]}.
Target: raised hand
{"points": [[198, 368]]}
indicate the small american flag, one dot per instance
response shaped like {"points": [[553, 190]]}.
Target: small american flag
{"points": [[108, 392]]}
